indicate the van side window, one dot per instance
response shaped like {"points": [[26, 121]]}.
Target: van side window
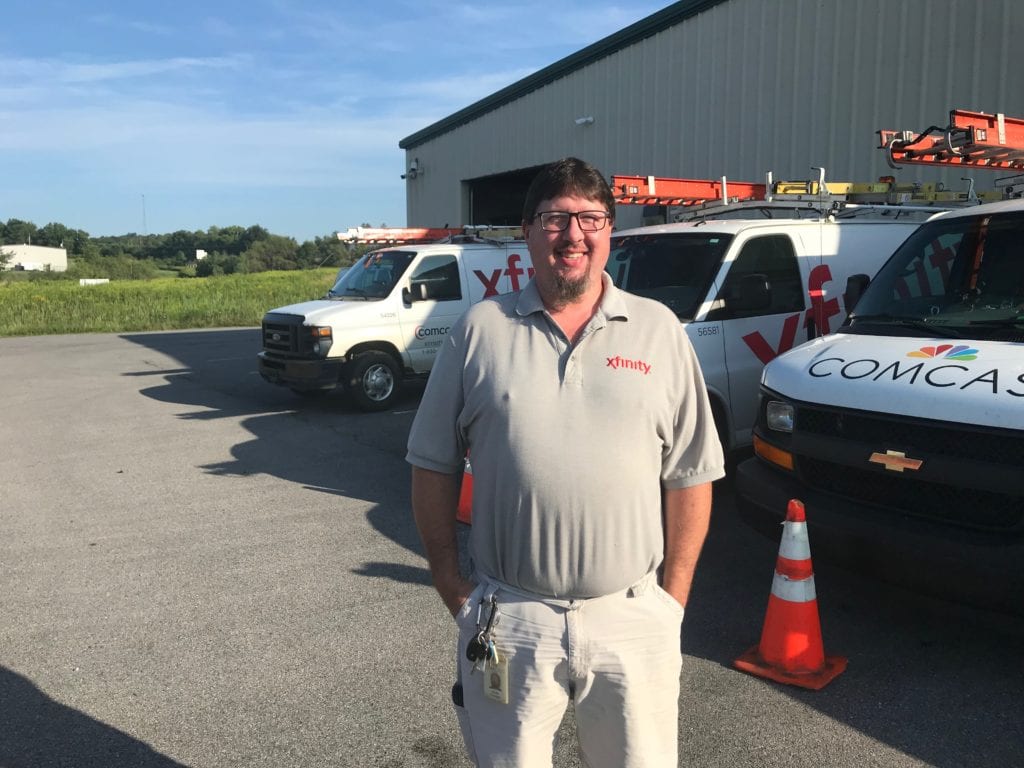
{"points": [[439, 275], [774, 257]]}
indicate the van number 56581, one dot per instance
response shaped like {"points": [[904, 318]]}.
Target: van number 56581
{"points": [[707, 330]]}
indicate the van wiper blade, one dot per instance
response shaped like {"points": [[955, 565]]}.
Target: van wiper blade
{"points": [[1003, 322], [903, 321]]}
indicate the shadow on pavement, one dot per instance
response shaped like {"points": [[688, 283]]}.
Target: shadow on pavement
{"points": [[38, 732], [323, 444]]}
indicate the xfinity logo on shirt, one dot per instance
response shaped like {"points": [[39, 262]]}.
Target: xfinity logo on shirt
{"points": [[629, 365]]}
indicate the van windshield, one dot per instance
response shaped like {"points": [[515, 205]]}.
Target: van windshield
{"points": [[954, 278], [372, 277], [676, 269]]}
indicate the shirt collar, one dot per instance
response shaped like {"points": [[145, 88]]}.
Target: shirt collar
{"points": [[612, 306]]}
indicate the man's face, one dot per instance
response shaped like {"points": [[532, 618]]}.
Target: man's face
{"points": [[568, 264]]}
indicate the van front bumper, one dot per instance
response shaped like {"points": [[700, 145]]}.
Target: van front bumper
{"points": [[300, 375], [977, 568]]}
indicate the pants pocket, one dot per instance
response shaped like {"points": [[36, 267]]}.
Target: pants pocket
{"points": [[669, 601], [463, 718]]}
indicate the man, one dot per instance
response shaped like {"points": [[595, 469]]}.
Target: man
{"points": [[593, 450]]}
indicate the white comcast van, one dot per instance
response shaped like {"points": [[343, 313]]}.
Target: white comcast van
{"points": [[748, 290], [903, 433], [386, 317]]}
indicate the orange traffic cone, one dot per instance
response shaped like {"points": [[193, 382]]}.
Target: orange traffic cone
{"points": [[791, 649], [464, 512]]}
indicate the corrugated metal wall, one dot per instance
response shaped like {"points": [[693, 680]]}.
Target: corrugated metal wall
{"points": [[746, 87]]}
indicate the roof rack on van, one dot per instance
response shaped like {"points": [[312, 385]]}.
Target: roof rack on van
{"points": [[415, 235], [971, 139]]}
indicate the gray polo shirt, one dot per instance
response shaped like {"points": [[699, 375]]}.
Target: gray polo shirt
{"points": [[570, 445]]}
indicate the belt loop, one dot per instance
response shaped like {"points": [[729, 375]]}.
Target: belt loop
{"points": [[491, 591]]}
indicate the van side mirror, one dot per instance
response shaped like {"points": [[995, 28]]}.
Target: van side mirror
{"points": [[855, 287], [751, 293], [418, 292]]}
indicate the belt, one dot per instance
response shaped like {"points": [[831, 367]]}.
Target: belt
{"points": [[493, 586]]}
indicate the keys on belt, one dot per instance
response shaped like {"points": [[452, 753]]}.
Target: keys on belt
{"points": [[480, 649], [483, 653]]}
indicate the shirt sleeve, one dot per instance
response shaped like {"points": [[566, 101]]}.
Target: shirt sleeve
{"points": [[435, 441], [694, 454]]}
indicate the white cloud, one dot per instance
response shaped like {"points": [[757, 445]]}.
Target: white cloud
{"points": [[81, 73]]}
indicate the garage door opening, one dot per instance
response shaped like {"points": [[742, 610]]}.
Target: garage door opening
{"points": [[498, 200]]}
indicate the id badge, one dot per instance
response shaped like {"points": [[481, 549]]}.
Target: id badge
{"points": [[495, 679]]}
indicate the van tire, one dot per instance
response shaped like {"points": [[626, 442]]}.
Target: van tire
{"points": [[722, 428], [373, 381]]}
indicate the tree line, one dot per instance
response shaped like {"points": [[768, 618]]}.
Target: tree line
{"points": [[133, 256]]}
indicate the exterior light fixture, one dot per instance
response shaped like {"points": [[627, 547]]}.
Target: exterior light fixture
{"points": [[414, 169]]}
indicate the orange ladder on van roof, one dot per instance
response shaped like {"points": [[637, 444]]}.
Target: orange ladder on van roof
{"points": [[971, 140], [712, 194]]}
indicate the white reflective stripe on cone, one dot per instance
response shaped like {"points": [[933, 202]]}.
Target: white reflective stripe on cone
{"points": [[800, 591], [794, 544]]}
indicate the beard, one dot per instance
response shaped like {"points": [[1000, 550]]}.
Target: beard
{"points": [[565, 290]]}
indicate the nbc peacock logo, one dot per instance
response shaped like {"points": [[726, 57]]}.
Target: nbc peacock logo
{"points": [[947, 351]]}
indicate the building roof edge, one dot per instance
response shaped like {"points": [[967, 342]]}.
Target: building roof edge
{"points": [[624, 38]]}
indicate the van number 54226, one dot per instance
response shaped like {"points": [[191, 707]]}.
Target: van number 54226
{"points": [[707, 330]]}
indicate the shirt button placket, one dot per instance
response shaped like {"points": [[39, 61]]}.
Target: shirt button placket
{"points": [[573, 372]]}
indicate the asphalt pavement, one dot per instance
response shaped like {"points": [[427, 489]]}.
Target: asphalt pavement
{"points": [[200, 569]]}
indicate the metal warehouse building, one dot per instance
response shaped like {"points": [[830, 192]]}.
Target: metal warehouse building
{"points": [[34, 257], [735, 88]]}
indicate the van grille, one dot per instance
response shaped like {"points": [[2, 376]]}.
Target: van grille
{"points": [[953, 501], [281, 334], [946, 504], [950, 441]]}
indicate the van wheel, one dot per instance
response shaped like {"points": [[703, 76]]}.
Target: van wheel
{"points": [[373, 381]]}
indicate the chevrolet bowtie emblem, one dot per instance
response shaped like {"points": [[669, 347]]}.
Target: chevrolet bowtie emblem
{"points": [[895, 461]]}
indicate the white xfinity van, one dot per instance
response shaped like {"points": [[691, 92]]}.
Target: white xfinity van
{"points": [[903, 433], [386, 317], [748, 290]]}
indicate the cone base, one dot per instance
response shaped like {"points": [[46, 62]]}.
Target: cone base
{"points": [[752, 663]]}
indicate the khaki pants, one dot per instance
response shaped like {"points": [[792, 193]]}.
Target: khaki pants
{"points": [[616, 657]]}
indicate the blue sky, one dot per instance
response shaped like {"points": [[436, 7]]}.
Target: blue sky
{"points": [[120, 117]]}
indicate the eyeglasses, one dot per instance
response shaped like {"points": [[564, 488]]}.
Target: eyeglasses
{"points": [[558, 221]]}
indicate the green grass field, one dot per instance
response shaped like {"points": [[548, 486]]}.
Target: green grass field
{"points": [[48, 307]]}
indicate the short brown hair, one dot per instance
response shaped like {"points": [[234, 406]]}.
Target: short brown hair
{"points": [[568, 176]]}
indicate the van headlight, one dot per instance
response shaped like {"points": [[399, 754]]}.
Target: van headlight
{"points": [[321, 337], [779, 416]]}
